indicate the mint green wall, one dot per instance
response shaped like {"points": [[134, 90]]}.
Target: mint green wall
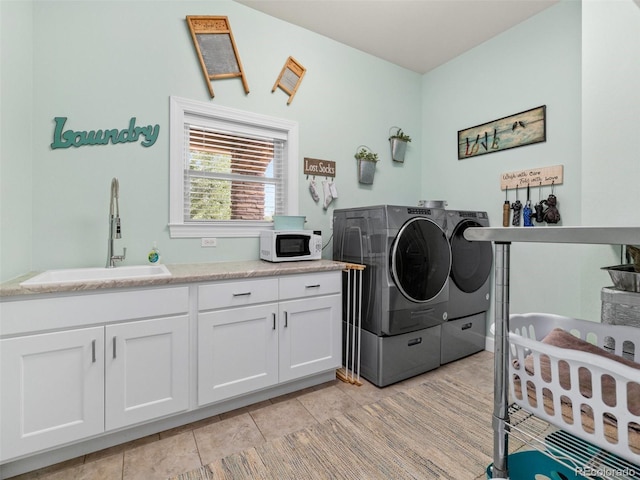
{"points": [[100, 63], [580, 60], [16, 73], [610, 127], [536, 63], [611, 112]]}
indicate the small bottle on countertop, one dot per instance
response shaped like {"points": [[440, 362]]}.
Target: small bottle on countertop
{"points": [[154, 254]]}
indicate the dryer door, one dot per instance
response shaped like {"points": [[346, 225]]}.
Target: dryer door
{"points": [[420, 259], [471, 265]]}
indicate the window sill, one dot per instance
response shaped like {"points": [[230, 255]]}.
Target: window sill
{"points": [[194, 230]]}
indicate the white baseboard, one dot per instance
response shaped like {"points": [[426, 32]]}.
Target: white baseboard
{"points": [[489, 344]]}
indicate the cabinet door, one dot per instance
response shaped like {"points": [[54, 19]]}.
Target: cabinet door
{"points": [[237, 351], [146, 370], [52, 389], [310, 336]]}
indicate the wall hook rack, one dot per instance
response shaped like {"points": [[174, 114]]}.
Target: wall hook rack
{"points": [[542, 175]]}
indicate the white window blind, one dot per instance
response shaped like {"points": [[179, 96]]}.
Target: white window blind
{"points": [[230, 170], [231, 176]]}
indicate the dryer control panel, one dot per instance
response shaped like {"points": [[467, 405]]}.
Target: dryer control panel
{"points": [[418, 211]]}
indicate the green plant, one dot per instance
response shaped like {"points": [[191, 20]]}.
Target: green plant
{"points": [[400, 135], [365, 154]]}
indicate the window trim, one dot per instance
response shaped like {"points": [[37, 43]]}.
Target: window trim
{"points": [[178, 109]]}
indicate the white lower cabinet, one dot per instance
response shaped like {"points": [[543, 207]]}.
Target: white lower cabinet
{"points": [[310, 336], [237, 351], [52, 389], [146, 370], [246, 347], [75, 367], [75, 383]]}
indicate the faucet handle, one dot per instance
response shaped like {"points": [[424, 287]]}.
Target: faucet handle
{"points": [[120, 258]]}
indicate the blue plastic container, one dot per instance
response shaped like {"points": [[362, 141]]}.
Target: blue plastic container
{"points": [[288, 222], [533, 465]]}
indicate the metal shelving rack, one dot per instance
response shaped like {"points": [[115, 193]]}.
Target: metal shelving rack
{"points": [[503, 413], [574, 453]]}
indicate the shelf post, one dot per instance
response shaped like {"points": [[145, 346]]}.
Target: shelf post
{"points": [[501, 357]]}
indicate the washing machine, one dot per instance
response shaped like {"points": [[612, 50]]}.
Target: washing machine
{"points": [[405, 285], [469, 287]]}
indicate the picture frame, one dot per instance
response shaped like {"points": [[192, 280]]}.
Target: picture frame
{"points": [[517, 130]]}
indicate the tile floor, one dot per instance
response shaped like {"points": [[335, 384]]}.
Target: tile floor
{"points": [[207, 440]]}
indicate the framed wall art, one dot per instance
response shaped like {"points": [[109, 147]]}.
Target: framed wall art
{"points": [[518, 130]]}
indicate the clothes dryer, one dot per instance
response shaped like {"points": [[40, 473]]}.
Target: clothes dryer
{"points": [[469, 287], [405, 285]]}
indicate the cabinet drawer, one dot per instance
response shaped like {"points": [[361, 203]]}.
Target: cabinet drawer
{"points": [[57, 312], [309, 285], [237, 293]]}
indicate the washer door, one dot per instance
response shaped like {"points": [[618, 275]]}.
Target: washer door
{"points": [[420, 259], [472, 261]]}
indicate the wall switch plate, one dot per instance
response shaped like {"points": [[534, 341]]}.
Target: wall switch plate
{"points": [[209, 242]]}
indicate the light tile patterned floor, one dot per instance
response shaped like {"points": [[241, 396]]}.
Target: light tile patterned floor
{"points": [[185, 448]]}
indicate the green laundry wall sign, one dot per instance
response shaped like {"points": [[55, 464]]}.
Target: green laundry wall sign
{"points": [[147, 135]]}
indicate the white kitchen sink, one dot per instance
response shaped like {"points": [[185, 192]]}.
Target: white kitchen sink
{"points": [[81, 275]]}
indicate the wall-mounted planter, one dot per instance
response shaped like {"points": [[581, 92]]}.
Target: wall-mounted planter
{"points": [[398, 142], [366, 171], [398, 149], [366, 164]]}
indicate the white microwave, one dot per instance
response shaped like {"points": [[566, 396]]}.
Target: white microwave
{"points": [[290, 245]]}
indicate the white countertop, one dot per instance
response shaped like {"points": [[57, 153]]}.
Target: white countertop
{"points": [[180, 273]]}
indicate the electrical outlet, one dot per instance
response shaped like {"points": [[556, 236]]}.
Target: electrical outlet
{"points": [[209, 242]]}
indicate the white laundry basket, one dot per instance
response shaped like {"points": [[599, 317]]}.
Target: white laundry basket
{"points": [[612, 426]]}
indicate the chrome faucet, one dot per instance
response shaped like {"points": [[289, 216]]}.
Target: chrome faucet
{"points": [[114, 225]]}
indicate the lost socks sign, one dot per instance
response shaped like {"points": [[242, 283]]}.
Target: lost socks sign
{"points": [[147, 135]]}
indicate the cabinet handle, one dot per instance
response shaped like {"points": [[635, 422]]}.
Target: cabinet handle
{"points": [[114, 347], [317, 285], [286, 319], [93, 351], [274, 321], [243, 294]]}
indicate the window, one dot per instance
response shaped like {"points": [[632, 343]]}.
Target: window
{"points": [[231, 170]]}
